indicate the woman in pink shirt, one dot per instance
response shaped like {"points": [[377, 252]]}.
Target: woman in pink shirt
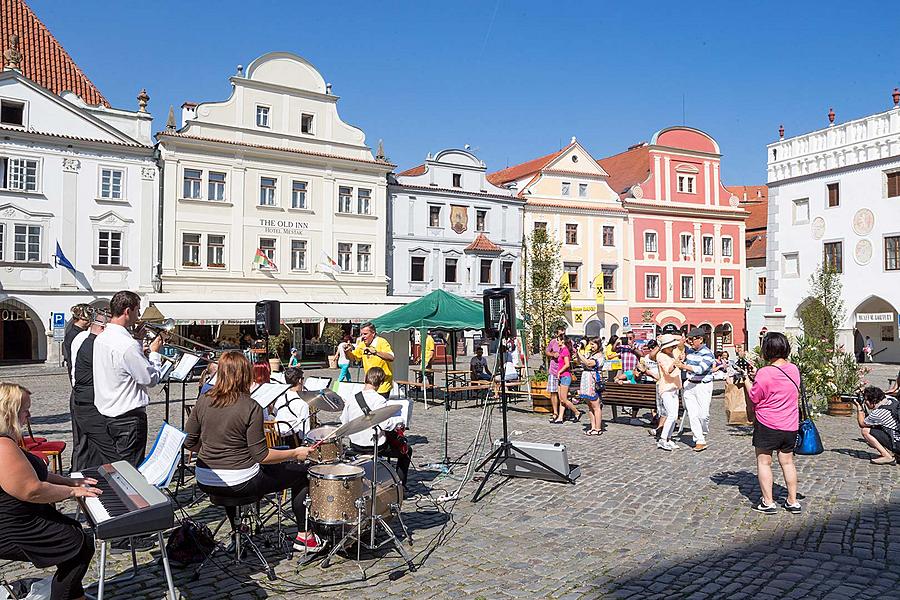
{"points": [[775, 397], [564, 362]]}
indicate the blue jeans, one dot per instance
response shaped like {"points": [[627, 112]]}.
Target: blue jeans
{"points": [[345, 372]]}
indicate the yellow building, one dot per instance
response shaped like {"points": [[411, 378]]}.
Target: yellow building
{"points": [[567, 193]]}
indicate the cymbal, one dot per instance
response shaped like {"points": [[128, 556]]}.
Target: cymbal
{"points": [[363, 422], [323, 400]]}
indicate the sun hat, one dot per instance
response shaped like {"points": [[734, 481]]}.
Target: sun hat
{"points": [[667, 340]]}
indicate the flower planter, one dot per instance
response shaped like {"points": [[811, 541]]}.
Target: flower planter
{"points": [[840, 406], [274, 365], [540, 397]]}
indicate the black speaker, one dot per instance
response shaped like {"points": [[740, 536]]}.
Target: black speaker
{"points": [[497, 302], [268, 318]]}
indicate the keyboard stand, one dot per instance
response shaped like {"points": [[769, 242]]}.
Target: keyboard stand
{"points": [[102, 568]]}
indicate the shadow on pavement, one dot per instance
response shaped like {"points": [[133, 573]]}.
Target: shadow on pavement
{"points": [[748, 485]]}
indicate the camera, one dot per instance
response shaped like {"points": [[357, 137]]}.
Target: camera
{"points": [[368, 351]]}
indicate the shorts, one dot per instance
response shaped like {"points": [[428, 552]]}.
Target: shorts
{"points": [[565, 380], [883, 436], [768, 439], [552, 383]]}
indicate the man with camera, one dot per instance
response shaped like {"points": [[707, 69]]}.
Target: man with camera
{"points": [[375, 351], [878, 417]]}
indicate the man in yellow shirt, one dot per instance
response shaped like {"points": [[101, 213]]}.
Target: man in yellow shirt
{"points": [[429, 355], [375, 351]]}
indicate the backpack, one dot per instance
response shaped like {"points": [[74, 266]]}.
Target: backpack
{"points": [[190, 542]]}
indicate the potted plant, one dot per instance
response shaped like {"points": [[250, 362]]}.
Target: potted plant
{"points": [[540, 398], [847, 377], [277, 344]]}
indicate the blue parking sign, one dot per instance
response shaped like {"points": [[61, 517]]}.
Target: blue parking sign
{"points": [[59, 320], [625, 322]]}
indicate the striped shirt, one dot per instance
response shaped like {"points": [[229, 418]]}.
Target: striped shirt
{"points": [[700, 364], [881, 416]]}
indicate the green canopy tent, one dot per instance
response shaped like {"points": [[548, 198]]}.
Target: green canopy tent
{"points": [[437, 310]]}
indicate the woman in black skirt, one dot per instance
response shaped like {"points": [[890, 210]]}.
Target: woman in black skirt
{"points": [[31, 529]]}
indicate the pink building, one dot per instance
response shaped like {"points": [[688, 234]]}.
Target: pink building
{"points": [[687, 235]]}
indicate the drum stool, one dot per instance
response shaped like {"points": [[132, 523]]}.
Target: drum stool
{"points": [[243, 515]]}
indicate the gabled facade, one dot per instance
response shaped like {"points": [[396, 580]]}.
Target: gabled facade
{"points": [[568, 194], [271, 170], [77, 175], [452, 229], [687, 233]]}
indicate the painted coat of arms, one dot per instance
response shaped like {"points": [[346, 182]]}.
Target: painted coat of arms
{"points": [[459, 218]]}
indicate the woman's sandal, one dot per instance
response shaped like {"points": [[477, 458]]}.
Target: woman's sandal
{"points": [[595, 432]]}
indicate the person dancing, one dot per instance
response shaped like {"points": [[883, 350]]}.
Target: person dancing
{"points": [[564, 367], [225, 428], [668, 384], [591, 386], [31, 529]]}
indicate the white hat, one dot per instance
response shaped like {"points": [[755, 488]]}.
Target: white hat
{"points": [[667, 340]]}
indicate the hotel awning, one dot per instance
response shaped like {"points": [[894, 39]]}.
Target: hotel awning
{"points": [[351, 313], [236, 313]]}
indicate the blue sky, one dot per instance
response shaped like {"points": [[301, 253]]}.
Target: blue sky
{"points": [[515, 80]]}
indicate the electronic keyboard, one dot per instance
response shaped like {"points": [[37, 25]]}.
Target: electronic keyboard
{"points": [[128, 506]]}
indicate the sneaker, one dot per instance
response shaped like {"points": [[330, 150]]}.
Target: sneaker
{"points": [[672, 445], [663, 446], [794, 509], [766, 509], [699, 447], [310, 544]]}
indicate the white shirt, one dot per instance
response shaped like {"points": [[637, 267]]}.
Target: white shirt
{"points": [[291, 414], [122, 373], [352, 410], [343, 359]]}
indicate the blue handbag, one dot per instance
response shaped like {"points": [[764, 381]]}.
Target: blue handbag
{"points": [[809, 442]]}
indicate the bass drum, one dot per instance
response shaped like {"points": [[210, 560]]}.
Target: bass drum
{"points": [[390, 490]]}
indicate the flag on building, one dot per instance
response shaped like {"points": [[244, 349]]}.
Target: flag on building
{"points": [[600, 298], [565, 294], [328, 264], [261, 261], [61, 259]]}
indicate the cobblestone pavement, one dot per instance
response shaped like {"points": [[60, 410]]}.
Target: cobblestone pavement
{"points": [[639, 523]]}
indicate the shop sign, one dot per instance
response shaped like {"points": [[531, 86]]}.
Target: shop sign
{"points": [[580, 314], [13, 314], [875, 317], [284, 226]]}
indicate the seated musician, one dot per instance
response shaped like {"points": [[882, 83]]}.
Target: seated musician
{"points": [[291, 411], [362, 442], [31, 529], [226, 430]]}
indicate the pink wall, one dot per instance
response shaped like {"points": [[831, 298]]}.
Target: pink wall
{"points": [[640, 287], [641, 225], [687, 139]]}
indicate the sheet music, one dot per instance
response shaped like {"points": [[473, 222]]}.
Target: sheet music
{"points": [[266, 393], [166, 368], [183, 369], [316, 384], [277, 377], [159, 466]]}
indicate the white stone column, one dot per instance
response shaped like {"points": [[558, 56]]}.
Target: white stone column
{"points": [[670, 259], [68, 212]]}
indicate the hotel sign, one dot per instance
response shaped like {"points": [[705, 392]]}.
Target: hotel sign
{"points": [[284, 226], [875, 317]]}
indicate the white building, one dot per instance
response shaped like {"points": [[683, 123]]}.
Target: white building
{"points": [[77, 175], [835, 198], [273, 169], [451, 229]]}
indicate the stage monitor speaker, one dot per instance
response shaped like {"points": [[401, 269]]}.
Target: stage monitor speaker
{"points": [[497, 302], [268, 318], [552, 455]]}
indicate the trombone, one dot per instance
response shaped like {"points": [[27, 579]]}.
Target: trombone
{"points": [[147, 331]]}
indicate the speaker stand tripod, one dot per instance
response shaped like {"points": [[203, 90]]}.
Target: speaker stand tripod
{"points": [[505, 450]]}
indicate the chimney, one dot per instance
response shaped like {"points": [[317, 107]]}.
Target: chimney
{"points": [[328, 88], [188, 112], [12, 56]]}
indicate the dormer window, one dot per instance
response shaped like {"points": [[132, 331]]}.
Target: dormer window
{"points": [[306, 124], [457, 180], [262, 116], [12, 113], [686, 184]]}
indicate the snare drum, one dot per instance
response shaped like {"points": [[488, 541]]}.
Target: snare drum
{"points": [[328, 452], [390, 490], [333, 492]]}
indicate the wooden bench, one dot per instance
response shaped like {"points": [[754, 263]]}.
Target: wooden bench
{"points": [[636, 395], [456, 391]]}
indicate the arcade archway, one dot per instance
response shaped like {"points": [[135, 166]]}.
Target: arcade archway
{"points": [[21, 337]]}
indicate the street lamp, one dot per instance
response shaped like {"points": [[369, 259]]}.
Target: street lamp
{"points": [[747, 304]]}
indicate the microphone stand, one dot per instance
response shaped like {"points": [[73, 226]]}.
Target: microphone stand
{"points": [[505, 450]]}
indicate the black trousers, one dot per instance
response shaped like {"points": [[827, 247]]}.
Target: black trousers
{"points": [[129, 435], [403, 460], [271, 478], [68, 580], [97, 446]]}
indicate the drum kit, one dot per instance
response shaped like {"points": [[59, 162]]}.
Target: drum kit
{"points": [[353, 496]]}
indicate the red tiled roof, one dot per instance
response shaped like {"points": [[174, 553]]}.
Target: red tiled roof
{"points": [[63, 136], [524, 169], [44, 60], [627, 168], [413, 172], [756, 245], [483, 244], [757, 203], [575, 205]]}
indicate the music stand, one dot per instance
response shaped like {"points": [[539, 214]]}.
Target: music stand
{"points": [[503, 452]]}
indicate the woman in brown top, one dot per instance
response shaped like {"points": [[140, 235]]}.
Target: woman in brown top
{"points": [[226, 430], [31, 529]]}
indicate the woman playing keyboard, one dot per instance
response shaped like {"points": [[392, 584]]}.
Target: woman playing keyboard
{"points": [[31, 529]]}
